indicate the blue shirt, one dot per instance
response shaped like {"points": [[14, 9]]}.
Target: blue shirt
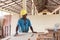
{"points": [[24, 26]]}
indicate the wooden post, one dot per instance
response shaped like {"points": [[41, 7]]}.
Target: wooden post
{"points": [[24, 4]]}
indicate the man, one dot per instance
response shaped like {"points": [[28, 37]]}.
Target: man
{"points": [[24, 23]]}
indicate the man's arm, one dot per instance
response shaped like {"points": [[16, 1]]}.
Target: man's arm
{"points": [[31, 28], [17, 29]]}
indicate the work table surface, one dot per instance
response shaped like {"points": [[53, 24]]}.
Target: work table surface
{"points": [[22, 36]]}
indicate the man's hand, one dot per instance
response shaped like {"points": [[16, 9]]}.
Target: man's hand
{"points": [[16, 34], [16, 31], [34, 32]]}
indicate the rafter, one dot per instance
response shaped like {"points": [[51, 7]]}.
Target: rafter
{"points": [[55, 2]]}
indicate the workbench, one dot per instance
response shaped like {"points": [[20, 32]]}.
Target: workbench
{"points": [[22, 36]]}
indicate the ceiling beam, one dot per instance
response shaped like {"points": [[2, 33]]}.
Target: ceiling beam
{"points": [[11, 7], [56, 9], [12, 10], [55, 2], [6, 4], [9, 3]]}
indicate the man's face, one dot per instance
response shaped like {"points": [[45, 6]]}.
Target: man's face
{"points": [[24, 16]]}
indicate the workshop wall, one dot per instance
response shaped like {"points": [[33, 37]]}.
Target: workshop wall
{"points": [[41, 22]]}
